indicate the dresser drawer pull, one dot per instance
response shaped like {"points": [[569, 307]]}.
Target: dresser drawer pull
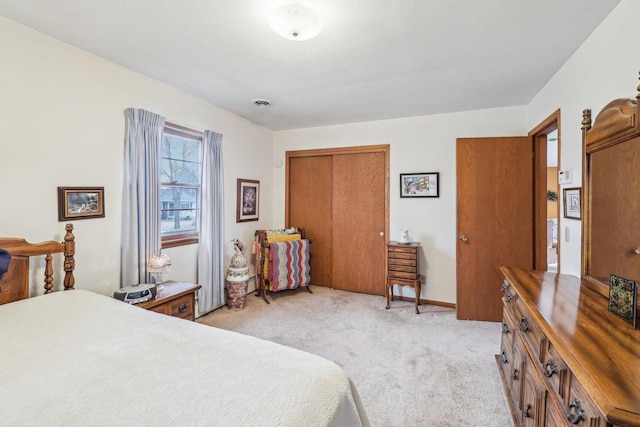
{"points": [[504, 287], [509, 297], [575, 414], [503, 357], [183, 307], [527, 412], [524, 324], [505, 328], [550, 368], [514, 375]]}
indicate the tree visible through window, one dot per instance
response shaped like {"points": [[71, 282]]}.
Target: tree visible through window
{"points": [[180, 185]]}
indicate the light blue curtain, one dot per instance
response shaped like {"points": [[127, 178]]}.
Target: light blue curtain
{"points": [[141, 235], [211, 248]]}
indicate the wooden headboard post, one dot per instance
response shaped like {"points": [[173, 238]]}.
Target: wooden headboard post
{"points": [[15, 283], [69, 260]]}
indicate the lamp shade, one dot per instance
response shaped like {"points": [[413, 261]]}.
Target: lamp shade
{"points": [[295, 22]]}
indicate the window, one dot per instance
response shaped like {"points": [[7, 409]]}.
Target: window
{"points": [[180, 186]]}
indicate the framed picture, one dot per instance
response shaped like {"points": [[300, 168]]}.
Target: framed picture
{"points": [[420, 184], [623, 297], [80, 203], [572, 199], [248, 207]]}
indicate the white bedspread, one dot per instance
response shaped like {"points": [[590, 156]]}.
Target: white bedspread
{"points": [[78, 358]]}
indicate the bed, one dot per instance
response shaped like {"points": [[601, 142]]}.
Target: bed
{"points": [[80, 358]]}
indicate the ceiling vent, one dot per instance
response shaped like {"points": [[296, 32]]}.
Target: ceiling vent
{"points": [[261, 102]]}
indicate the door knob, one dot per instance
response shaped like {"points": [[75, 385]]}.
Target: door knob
{"points": [[382, 233], [636, 250], [463, 238]]}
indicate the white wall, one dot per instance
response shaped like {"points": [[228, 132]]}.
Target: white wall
{"points": [[418, 144], [62, 115], [605, 67]]}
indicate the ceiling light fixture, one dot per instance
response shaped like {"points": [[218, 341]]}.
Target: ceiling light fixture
{"points": [[295, 22], [261, 102]]}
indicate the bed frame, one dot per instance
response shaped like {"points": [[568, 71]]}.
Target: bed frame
{"points": [[15, 283]]}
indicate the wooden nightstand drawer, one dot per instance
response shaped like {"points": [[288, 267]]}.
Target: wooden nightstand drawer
{"points": [[181, 307], [402, 275], [398, 264], [177, 299]]}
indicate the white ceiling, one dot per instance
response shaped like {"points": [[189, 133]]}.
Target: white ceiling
{"points": [[375, 59]]}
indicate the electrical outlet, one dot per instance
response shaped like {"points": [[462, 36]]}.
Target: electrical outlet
{"points": [[566, 234], [423, 278]]}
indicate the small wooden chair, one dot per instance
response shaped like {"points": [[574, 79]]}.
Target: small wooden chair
{"points": [[15, 283]]}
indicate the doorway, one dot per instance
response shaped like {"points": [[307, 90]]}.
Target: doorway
{"points": [[546, 154], [502, 214]]}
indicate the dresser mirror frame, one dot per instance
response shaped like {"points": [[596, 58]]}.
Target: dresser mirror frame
{"points": [[617, 123]]}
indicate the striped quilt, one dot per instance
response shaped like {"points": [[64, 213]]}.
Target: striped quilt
{"points": [[289, 265]]}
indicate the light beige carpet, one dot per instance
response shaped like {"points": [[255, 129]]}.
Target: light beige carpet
{"points": [[411, 370]]}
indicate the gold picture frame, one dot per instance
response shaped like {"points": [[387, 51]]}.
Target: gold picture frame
{"points": [[80, 203]]}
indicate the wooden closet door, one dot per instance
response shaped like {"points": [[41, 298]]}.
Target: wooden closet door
{"points": [[358, 221], [310, 187]]}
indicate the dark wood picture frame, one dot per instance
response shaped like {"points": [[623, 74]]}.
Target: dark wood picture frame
{"points": [[423, 184], [248, 200], [572, 198], [80, 203]]}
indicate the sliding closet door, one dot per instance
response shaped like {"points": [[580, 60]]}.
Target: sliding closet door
{"points": [[359, 222], [310, 187], [339, 196]]}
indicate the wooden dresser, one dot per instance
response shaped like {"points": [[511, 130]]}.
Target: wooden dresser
{"points": [[564, 358], [177, 299], [402, 269]]}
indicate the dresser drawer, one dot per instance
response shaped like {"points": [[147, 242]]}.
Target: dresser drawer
{"points": [[509, 296], [508, 327], [530, 331], [555, 372], [580, 410], [505, 359]]}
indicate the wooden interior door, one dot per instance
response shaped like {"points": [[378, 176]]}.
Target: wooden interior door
{"points": [[310, 206], [359, 222], [494, 220]]}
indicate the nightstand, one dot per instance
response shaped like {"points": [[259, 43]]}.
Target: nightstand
{"points": [[177, 299], [402, 268]]}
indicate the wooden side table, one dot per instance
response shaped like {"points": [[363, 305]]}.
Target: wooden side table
{"points": [[177, 299], [402, 268]]}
